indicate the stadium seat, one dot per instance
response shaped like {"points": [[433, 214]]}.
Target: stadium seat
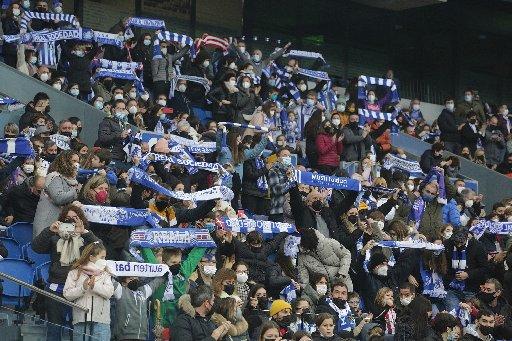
{"points": [[21, 232], [14, 294], [12, 246], [32, 257], [42, 272]]}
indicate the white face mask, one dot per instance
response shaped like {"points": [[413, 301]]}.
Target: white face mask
{"points": [[44, 77], [460, 189], [74, 92], [98, 105], [16, 12], [28, 169], [232, 66], [118, 96], [209, 270], [132, 110], [147, 42], [403, 156], [447, 235], [468, 98], [246, 85], [206, 63], [163, 50], [242, 49], [336, 121], [340, 108], [468, 203], [132, 94], [450, 107], [303, 87], [382, 270], [310, 102], [256, 58], [410, 188], [26, 4], [380, 225], [162, 102], [101, 264], [182, 88], [77, 166], [242, 278], [406, 301], [57, 86], [232, 82], [416, 107], [144, 97], [57, 9], [33, 60], [321, 289], [371, 98]]}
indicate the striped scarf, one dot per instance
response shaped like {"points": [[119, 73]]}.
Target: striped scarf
{"points": [[305, 54], [151, 24], [115, 65], [201, 80], [28, 16], [261, 182], [458, 264], [104, 38], [363, 81], [262, 226], [120, 74]]}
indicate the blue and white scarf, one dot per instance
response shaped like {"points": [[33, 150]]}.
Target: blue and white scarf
{"points": [[211, 167], [61, 141], [147, 23], [378, 115], [217, 192], [261, 182], [458, 264], [441, 197], [28, 16], [288, 293], [120, 74], [326, 181], [322, 75], [120, 216], [503, 228], [364, 80], [328, 98], [413, 167], [463, 316], [245, 126], [247, 225], [111, 175], [305, 54], [284, 80], [192, 146], [291, 246], [115, 65], [201, 80], [432, 283], [47, 36], [104, 38], [180, 238], [346, 321], [411, 244], [175, 37], [16, 146], [7, 100]]}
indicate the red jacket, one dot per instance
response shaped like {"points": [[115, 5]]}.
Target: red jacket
{"points": [[328, 151]]}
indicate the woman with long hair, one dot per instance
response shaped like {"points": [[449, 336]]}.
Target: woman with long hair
{"points": [[414, 320], [89, 284], [11, 26], [61, 188], [385, 313], [228, 309], [269, 331], [329, 147], [311, 130]]}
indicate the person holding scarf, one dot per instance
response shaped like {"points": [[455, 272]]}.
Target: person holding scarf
{"points": [[61, 188], [279, 181], [11, 26], [254, 181], [245, 99], [143, 53], [329, 147], [89, 284], [222, 98], [468, 268], [195, 92], [384, 310], [357, 140], [64, 247], [256, 58]]}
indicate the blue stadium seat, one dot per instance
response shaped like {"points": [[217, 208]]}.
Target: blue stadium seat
{"points": [[12, 246], [42, 272], [32, 257], [14, 294], [22, 232]]}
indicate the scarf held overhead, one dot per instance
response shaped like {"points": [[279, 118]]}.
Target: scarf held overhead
{"points": [[181, 238], [120, 216], [248, 225], [326, 181], [28, 16]]}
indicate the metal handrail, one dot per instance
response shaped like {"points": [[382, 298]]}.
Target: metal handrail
{"points": [[43, 292]]}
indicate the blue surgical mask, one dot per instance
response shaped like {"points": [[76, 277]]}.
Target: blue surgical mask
{"points": [[286, 160], [310, 101], [428, 197], [210, 227], [273, 97], [121, 116]]}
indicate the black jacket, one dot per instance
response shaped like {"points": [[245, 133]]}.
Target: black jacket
{"points": [[46, 242], [429, 160], [469, 138], [197, 328], [448, 124], [250, 178], [21, 203], [180, 104], [477, 266], [109, 137], [216, 96], [28, 115], [80, 68]]}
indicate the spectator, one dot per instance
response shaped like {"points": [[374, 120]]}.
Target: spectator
{"points": [[281, 313], [470, 104], [446, 327], [432, 157], [20, 202], [279, 181], [450, 127], [228, 310], [329, 146], [162, 69], [356, 142], [495, 147]]}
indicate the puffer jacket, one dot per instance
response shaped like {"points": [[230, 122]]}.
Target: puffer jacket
{"points": [[328, 151], [237, 331], [188, 326], [330, 258], [96, 299], [162, 68], [109, 137]]}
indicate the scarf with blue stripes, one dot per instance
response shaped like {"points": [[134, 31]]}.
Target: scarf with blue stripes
{"points": [[28, 16], [16, 146], [247, 225], [147, 23], [363, 81], [483, 226], [120, 216], [180, 238], [261, 182], [46, 36]]}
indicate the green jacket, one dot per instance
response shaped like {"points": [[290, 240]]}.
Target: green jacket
{"points": [[180, 282]]}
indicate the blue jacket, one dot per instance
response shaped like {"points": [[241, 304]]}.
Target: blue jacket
{"points": [[451, 214]]}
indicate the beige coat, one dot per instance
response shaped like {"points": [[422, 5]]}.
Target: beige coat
{"points": [[96, 299], [330, 258]]}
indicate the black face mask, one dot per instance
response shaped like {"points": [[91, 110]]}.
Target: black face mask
{"points": [[161, 204], [229, 289], [352, 219], [353, 125], [134, 284], [285, 322], [304, 194], [78, 131], [66, 133], [486, 297], [50, 157], [47, 109], [9, 136], [339, 302], [472, 121], [263, 303], [486, 330], [256, 249], [317, 205], [175, 269]]}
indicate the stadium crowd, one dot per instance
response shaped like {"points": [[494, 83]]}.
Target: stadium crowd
{"points": [[305, 223]]}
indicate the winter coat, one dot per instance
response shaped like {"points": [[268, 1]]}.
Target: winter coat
{"points": [[46, 243], [431, 219], [96, 299], [21, 203], [109, 137], [58, 192], [216, 96], [451, 214], [30, 112], [449, 125], [328, 151], [100, 90], [191, 327], [262, 64], [180, 103], [311, 295], [355, 146], [131, 315], [428, 160], [80, 68], [162, 68], [330, 258], [250, 178], [469, 138], [463, 108], [237, 331], [495, 147], [244, 103]]}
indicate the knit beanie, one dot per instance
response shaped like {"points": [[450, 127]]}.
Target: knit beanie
{"points": [[279, 305]]}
